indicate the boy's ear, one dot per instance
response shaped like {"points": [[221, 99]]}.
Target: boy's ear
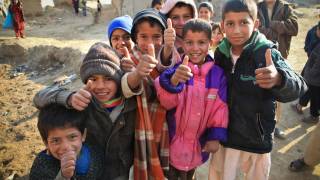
{"points": [[222, 26], [84, 135], [256, 24]]}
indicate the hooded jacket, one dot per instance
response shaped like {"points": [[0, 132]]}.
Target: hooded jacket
{"points": [[281, 28], [251, 108]]}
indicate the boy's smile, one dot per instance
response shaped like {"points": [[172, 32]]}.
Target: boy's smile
{"points": [[196, 45], [62, 140], [238, 27], [103, 88]]}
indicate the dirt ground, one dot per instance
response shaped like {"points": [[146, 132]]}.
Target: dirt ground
{"points": [[54, 46]]}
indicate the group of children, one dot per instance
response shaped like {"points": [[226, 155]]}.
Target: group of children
{"points": [[159, 101]]}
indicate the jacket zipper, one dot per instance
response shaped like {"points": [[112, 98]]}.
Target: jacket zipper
{"points": [[260, 128]]}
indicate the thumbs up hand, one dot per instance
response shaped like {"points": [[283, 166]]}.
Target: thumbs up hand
{"points": [[147, 62], [268, 77], [68, 163], [183, 72], [81, 99], [169, 35], [126, 63]]}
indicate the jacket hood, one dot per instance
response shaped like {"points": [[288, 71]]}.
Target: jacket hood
{"points": [[170, 4]]}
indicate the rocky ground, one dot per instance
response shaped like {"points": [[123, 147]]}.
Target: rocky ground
{"points": [[53, 49]]}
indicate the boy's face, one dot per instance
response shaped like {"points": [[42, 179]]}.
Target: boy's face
{"points": [[196, 45], [204, 13], [238, 28], [216, 37], [103, 88], [63, 140], [179, 17], [121, 39], [147, 34]]}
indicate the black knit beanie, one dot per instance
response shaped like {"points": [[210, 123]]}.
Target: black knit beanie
{"points": [[103, 60]]}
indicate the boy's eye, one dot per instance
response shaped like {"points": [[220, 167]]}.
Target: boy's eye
{"points": [[54, 141], [73, 136], [126, 37], [115, 38], [187, 17], [244, 22], [92, 79], [189, 43], [106, 78]]}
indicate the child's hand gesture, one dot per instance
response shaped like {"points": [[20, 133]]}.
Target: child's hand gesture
{"points": [[127, 64], [268, 77], [81, 98], [169, 36], [183, 72], [147, 62], [68, 163], [211, 146]]}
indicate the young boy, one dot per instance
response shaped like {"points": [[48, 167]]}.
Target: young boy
{"points": [[119, 30], [63, 132], [111, 118], [205, 11], [147, 33], [195, 94], [257, 76], [178, 13]]}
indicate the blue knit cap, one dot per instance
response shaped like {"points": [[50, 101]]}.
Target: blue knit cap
{"points": [[122, 22]]}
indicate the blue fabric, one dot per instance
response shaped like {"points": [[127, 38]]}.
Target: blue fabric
{"points": [[8, 23], [122, 22], [83, 161], [217, 134], [165, 82]]}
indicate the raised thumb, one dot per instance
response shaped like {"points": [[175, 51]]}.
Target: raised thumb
{"points": [[151, 50], [185, 60], [126, 52], [268, 57], [169, 23]]}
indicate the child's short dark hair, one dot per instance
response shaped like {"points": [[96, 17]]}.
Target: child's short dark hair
{"points": [[156, 2], [197, 25], [248, 6], [180, 5], [57, 116]]}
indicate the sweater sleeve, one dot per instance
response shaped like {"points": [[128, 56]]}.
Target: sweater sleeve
{"points": [[287, 26], [52, 94], [219, 115], [126, 90], [292, 84], [175, 57]]}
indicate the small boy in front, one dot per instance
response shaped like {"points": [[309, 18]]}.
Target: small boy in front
{"points": [[194, 93], [66, 157], [257, 76]]}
